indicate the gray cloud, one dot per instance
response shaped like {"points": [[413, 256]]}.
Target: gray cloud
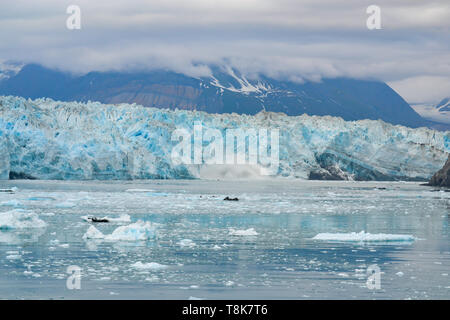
{"points": [[299, 40]]}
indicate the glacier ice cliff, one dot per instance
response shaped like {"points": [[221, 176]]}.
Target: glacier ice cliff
{"points": [[46, 139]]}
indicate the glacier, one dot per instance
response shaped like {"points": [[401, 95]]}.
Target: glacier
{"points": [[47, 139]]}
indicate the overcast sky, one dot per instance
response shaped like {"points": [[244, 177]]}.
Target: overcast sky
{"points": [[290, 39]]}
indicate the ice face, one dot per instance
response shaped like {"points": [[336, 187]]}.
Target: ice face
{"points": [[4, 158], [47, 139]]}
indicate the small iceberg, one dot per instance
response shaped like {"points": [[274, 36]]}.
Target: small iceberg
{"points": [[248, 232], [186, 243], [65, 205], [20, 219], [363, 237], [93, 233], [12, 203], [138, 231], [122, 218], [149, 266], [14, 257], [41, 199]]}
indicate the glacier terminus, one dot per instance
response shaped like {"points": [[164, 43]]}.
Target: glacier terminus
{"points": [[47, 139]]}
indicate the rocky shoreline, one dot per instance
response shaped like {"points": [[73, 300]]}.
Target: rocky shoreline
{"points": [[442, 177]]}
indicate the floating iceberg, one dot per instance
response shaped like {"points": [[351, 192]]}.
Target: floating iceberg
{"points": [[14, 257], [93, 233], [138, 231], [149, 266], [248, 232], [363, 237], [122, 218], [47, 139], [12, 203], [65, 204], [186, 243], [20, 219]]}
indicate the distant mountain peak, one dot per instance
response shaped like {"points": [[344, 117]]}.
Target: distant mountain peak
{"points": [[9, 69], [226, 90], [444, 105]]}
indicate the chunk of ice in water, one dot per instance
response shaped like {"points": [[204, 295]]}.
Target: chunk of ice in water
{"points": [[248, 232], [149, 266], [138, 231], [93, 233], [20, 219], [363, 236], [186, 243]]}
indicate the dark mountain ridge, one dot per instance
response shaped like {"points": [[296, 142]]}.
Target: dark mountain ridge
{"points": [[226, 91]]}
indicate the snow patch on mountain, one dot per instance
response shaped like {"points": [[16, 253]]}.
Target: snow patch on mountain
{"points": [[439, 112], [246, 86], [444, 105], [9, 69]]}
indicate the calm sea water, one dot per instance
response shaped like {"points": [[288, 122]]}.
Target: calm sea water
{"points": [[281, 261]]}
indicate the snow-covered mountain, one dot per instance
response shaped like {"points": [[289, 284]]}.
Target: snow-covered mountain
{"points": [[444, 105], [226, 90], [9, 69], [47, 139], [439, 112]]}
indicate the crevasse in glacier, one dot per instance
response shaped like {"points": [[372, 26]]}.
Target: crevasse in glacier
{"points": [[47, 139]]}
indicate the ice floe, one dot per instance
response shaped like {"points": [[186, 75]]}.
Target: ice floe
{"points": [[248, 232], [149, 266], [186, 243], [66, 204], [93, 233], [13, 257], [363, 236], [48, 214], [138, 231], [122, 218], [20, 219], [12, 203]]}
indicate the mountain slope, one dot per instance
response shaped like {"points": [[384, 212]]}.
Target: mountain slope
{"points": [[226, 91], [444, 105], [438, 113]]}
